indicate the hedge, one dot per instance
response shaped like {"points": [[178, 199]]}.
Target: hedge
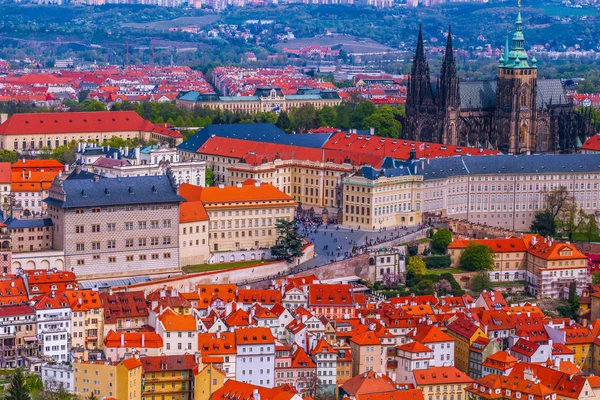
{"points": [[437, 262]]}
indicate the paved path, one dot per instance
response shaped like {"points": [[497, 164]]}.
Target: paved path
{"points": [[340, 242]]}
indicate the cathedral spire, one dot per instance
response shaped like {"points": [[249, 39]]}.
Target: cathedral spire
{"points": [[448, 85], [517, 56], [449, 54], [420, 54]]}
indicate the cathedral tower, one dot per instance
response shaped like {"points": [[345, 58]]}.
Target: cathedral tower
{"points": [[421, 121], [449, 94], [516, 96]]}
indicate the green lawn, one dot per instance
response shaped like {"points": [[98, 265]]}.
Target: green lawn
{"points": [[582, 237], [445, 271], [191, 269]]}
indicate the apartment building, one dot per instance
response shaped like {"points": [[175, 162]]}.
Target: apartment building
{"points": [[193, 233], [122, 345], [255, 360], [179, 332], [105, 379], [547, 266], [366, 353], [53, 316], [242, 216], [87, 319], [442, 381], [38, 130], [112, 227], [18, 335]]}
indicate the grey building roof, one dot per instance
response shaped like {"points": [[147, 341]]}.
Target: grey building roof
{"points": [[116, 282], [258, 132], [439, 168], [482, 94], [117, 192], [15, 223]]}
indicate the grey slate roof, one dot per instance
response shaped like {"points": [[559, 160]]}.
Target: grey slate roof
{"points": [[259, 132], [482, 94], [477, 94], [117, 192], [15, 223], [440, 168]]}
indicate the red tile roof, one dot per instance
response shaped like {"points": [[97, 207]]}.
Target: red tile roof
{"points": [[263, 297], [123, 305], [429, 334], [246, 336], [525, 347], [150, 340], [232, 194], [5, 172], [366, 339], [330, 295], [182, 362], [174, 322], [440, 375], [397, 148], [192, 211], [215, 344], [233, 389]]}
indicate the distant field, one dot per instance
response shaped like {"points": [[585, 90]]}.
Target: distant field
{"points": [[173, 23], [350, 44], [191, 269]]}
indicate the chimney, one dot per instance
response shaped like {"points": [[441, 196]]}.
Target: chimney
{"points": [[3, 118], [218, 334], [255, 395], [122, 340], [28, 174], [372, 131], [143, 340]]}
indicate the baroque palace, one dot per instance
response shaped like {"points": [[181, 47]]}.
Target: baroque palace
{"points": [[515, 113]]}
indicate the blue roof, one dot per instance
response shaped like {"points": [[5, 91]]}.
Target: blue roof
{"points": [[264, 132], [439, 168], [117, 191], [15, 223]]}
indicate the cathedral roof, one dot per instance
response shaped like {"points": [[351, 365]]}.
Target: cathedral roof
{"points": [[517, 57], [475, 95]]}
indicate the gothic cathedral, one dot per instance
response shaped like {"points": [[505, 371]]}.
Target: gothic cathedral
{"points": [[516, 113]]}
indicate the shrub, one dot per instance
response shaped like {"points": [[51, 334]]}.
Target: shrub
{"points": [[437, 262]]}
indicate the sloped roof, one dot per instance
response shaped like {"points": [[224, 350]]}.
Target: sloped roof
{"points": [[440, 375], [192, 211], [117, 191], [73, 122], [368, 383], [265, 132], [182, 362], [232, 194]]}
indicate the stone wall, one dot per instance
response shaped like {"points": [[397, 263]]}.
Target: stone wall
{"points": [[355, 266], [475, 230], [584, 247], [237, 276]]}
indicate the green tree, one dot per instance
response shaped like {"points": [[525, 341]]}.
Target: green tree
{"points": [[327, 116], [591, 229], [83, 95], [8, 156], [92, 397], [283, 121], [595, 278], [269, 117], [543, 223], [64, 155], [441, 240], [477, 257], [305, 117], [289, 243], [425, 286], [481, 282], [385, 124], [17, 389], [209, 177], [45, 153], [363, 110], [416, 266], [34, 384], [95, 106]]}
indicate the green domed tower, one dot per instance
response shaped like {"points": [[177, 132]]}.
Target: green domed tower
{"points": [[516, 95]]}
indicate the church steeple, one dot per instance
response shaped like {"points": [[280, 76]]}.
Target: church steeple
{"points": [[449, 94], [419, 84], [517, 57]]}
